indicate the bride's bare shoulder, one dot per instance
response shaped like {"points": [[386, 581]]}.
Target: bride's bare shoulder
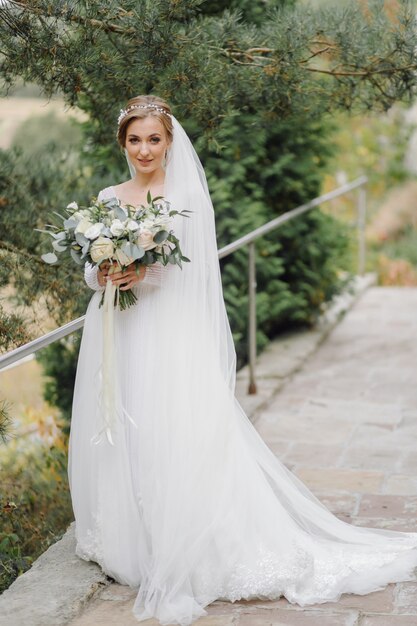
{"points": [[125, 186]]}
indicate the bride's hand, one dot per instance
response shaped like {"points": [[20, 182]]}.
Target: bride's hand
{"points": [[127, 278], [102, 273]]}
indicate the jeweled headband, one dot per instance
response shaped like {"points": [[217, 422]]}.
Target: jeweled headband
{"points": [[155, 107]]}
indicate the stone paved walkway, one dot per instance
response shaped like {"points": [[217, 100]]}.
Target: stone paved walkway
{"points": [[346, 424]]}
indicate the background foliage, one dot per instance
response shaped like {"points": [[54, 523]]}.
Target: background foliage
{"points": [[254, 84], [35, 506], [251, 82], [384, 147]]}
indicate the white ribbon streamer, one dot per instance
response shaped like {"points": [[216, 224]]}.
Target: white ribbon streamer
{"points": [[108, 378], [111, 407]]}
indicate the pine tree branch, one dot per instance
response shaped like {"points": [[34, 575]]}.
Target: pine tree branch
{"points": [[72, 17], [235, 56], [5, 421], [9, 247], [365, 73], [314, 54], [11, 23]]}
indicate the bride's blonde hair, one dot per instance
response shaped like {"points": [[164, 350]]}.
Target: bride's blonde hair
{"points": [[140, 107]]}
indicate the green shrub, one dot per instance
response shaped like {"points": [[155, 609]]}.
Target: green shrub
{"points": [[264, 170], [59, 362], [35, 505]]}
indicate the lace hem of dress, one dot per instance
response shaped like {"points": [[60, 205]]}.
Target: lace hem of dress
{"points": [[305, 575], [318, 578], [89, 547]]}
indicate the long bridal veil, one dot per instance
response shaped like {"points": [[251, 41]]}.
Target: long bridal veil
{"points": [[224, 492], [191, 505]]}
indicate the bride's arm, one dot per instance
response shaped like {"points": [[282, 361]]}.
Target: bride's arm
{"points": [[91, 272], [97, 280], [154, 274], [91, 277]]}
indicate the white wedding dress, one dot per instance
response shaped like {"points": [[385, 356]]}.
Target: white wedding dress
{"points": [[190, 505]]}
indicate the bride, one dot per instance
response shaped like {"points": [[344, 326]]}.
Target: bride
{"points": [[189, 504]]}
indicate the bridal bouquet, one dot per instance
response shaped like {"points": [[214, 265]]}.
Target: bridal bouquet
{"points": [[108, 232]]}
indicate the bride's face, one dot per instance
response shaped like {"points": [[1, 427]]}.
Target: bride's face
{"points": [[146, 144]]}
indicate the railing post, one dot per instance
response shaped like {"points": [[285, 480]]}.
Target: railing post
{"points": [[252, 318], [361, 230]]}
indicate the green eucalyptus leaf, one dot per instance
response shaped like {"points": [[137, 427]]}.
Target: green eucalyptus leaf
{"points": [[61, 217], [137, 252], [46, 232], [161, 236], [132, 250], [77, 257], [58, 246], [50, 258], [111, 203], [81, 239], [120, 213], [70, 223]]}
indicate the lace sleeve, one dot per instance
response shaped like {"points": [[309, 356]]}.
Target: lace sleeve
{"points": [[90, 271], [90, 277], [154, 274]]}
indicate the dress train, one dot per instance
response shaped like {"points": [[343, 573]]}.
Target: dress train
{"points": [[190, 505]]}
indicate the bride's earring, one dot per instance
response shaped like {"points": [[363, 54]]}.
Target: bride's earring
{"points": [[164, 162]]}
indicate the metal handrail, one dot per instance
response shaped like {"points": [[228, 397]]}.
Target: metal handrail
{"points": [[247, 240], [289, 215], [41, 342]]}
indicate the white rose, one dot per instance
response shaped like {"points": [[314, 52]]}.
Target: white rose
{"points": [[101, 248], [132, 225], [145, 240], [147, 224], [72, 205], [94, 231], [83, 225], [163, 224], [117, 228]]}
